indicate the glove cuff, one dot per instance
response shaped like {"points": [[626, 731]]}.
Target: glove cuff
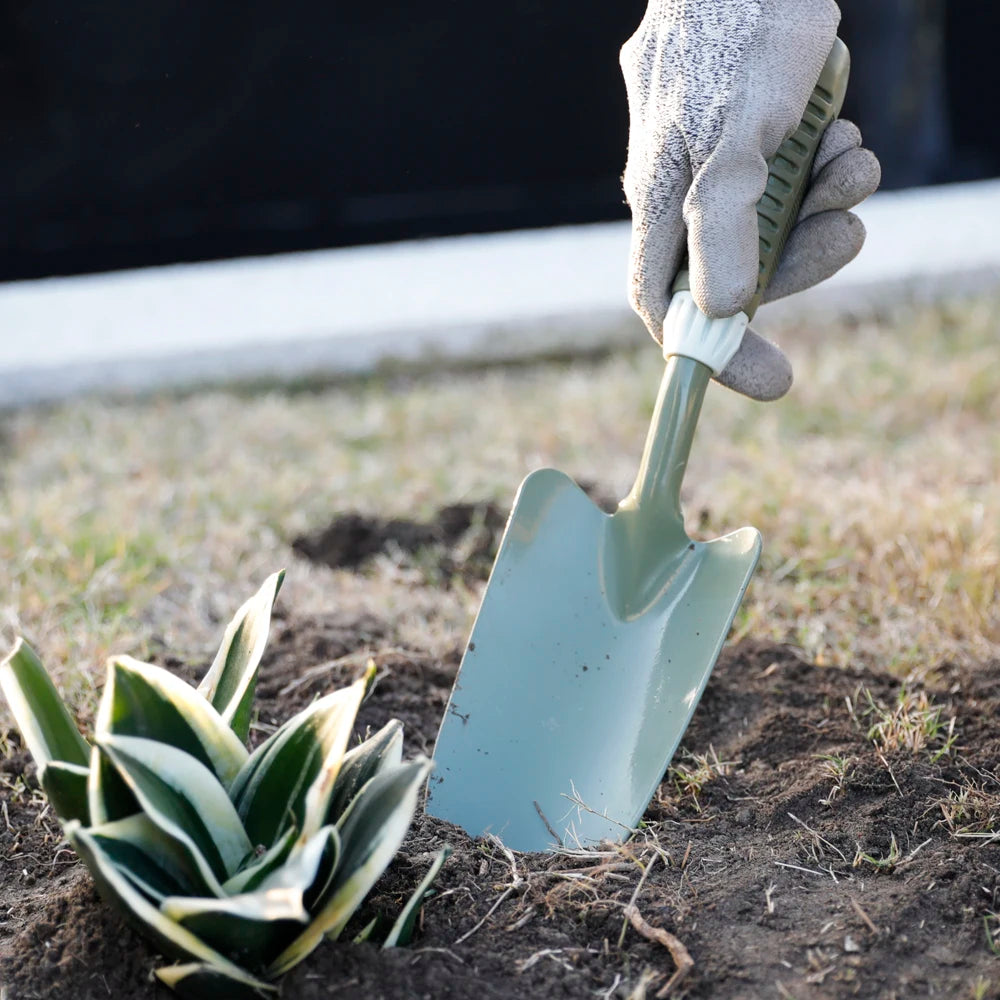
{"points": [[689, 332]]}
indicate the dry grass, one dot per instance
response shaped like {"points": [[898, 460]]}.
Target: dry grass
{"points": [[136, 525]]}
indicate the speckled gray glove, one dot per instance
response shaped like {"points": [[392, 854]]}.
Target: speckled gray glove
{"points": [[714, 86]]}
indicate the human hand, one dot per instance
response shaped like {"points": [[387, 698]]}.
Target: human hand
{"points": [[713, 88]]}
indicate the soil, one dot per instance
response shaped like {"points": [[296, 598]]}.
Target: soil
{"points": [[799, 857]]}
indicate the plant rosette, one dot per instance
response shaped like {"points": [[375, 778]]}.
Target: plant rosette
{"points": [[236, 864]]}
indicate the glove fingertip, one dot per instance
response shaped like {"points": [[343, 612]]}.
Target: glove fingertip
{"points": [[759, 370]]}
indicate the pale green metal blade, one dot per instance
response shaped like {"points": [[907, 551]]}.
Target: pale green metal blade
{"points": [[594, 642]]}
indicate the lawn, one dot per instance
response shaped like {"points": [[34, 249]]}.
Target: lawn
{"points": [[870, 630]]}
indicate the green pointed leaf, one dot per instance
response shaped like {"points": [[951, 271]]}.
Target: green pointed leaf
{"points": [[320, 791], [65, 785], [378, 753], [108, 796], [273, 790], [370, 834], [250, 929], [368, 931], [182, 797], [148, 701], [304, 867], [258, 867], [46, 726], [156, 863], [326, 869], [168, 937], [402, 930], [232, 679], [199, 981]]}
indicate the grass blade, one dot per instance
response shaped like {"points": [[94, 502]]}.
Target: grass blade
{"points": [[402, 929], [232, 679], [46, 726]]}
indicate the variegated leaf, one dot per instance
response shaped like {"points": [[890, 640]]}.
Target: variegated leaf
{"points": [[156, 863], [380, 752], [200, 981], [290, 771], [261, 864], [232, 679], [108, 796], [65, 786], [249, 929], [169, 937], [371, 833], [182, 797], [141, 699], [46, 726]]}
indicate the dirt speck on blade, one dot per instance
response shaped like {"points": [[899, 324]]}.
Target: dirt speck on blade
{"points": [[791, 851]]}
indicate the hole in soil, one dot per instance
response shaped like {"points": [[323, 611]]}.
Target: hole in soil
{"points": [[461, 540]]}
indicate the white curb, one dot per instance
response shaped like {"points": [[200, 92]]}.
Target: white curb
{"points": [[460, 298]]}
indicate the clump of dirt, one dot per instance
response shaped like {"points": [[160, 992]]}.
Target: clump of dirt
{"points": [[459, 542], [795, 849]]}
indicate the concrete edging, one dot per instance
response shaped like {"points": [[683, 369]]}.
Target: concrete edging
{"points": [[466, 298]]}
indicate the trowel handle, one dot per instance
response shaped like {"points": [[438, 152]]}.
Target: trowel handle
{"points": [[789, 171]]}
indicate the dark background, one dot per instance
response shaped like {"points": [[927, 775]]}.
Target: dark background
{"points": [[138, 133]]}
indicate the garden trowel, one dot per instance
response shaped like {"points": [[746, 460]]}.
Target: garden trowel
{"points": [[597, 633]]}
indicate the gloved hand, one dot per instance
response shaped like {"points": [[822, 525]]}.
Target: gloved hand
{"points": [[714, 86]]}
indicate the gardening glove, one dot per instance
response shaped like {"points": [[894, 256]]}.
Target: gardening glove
{"points": [[714, 87]]}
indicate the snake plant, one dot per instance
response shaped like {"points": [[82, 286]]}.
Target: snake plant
{"points": [[237, 864]]}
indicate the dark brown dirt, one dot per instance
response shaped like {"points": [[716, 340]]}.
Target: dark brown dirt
{"points": [[760, 873], [459, 541]]}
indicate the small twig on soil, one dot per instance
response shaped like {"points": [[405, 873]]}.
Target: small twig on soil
{"points": [[522, 920], [548, 826], [361, 656], [869, 923], [909, 857], [639, 990], [574, 798], [635, 895], [799, 868], [437, 951], [552, 953], [516, 883], [681, 956], [817, 836], [881, 757], [607, 994]]}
